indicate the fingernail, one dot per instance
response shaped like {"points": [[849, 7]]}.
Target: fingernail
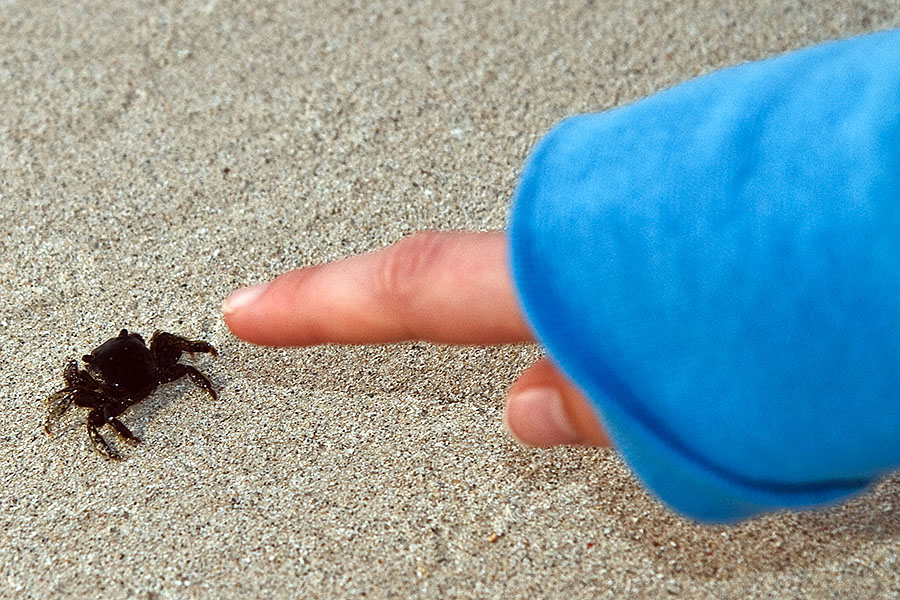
{"points": [[536, 417], [242, 297]]}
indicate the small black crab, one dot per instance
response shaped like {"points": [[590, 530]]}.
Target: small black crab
{"points": [[121, 372]]}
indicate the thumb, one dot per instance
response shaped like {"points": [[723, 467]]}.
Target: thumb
{"points": [[543, 408]]}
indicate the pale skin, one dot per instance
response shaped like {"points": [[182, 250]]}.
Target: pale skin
{"points": [[445, 287]]}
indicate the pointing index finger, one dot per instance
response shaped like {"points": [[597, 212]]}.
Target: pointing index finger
{"points": [[449, 287]]}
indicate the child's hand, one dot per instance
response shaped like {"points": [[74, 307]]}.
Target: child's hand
{"points": [[437, 286]]}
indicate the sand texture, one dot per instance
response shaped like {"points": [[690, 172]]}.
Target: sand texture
{"points": [[156, 155]]}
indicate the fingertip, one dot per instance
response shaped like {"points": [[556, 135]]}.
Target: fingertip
{"points": [[238, 314], [242, 298], [536, 417], [544, 408]]}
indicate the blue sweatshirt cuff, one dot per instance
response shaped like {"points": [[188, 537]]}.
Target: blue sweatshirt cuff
{"points": [[717, 267]]}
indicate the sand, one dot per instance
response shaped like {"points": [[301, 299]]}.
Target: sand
{"points": [[155, 156]]}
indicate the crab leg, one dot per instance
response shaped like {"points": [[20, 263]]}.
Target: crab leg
{"points": [[59, 403], [200, 380], [164, 345], [123, 431], [99, 443]]}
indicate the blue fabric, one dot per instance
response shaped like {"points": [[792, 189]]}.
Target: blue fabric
{"points": [[718, 267]]}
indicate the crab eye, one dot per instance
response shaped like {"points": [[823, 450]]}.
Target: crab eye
{"points": [[123, 333], [87, 358]]}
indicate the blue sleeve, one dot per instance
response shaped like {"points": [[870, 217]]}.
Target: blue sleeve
{"points": [[717, 266]]}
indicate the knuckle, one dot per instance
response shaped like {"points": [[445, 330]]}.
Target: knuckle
{"points": [[406, 267]]}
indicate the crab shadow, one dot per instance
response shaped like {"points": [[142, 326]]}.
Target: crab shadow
{"points": [[189, 400], [143, 418]]}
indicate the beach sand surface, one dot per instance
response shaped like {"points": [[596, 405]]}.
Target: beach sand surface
{"points": [[156, 156]]}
